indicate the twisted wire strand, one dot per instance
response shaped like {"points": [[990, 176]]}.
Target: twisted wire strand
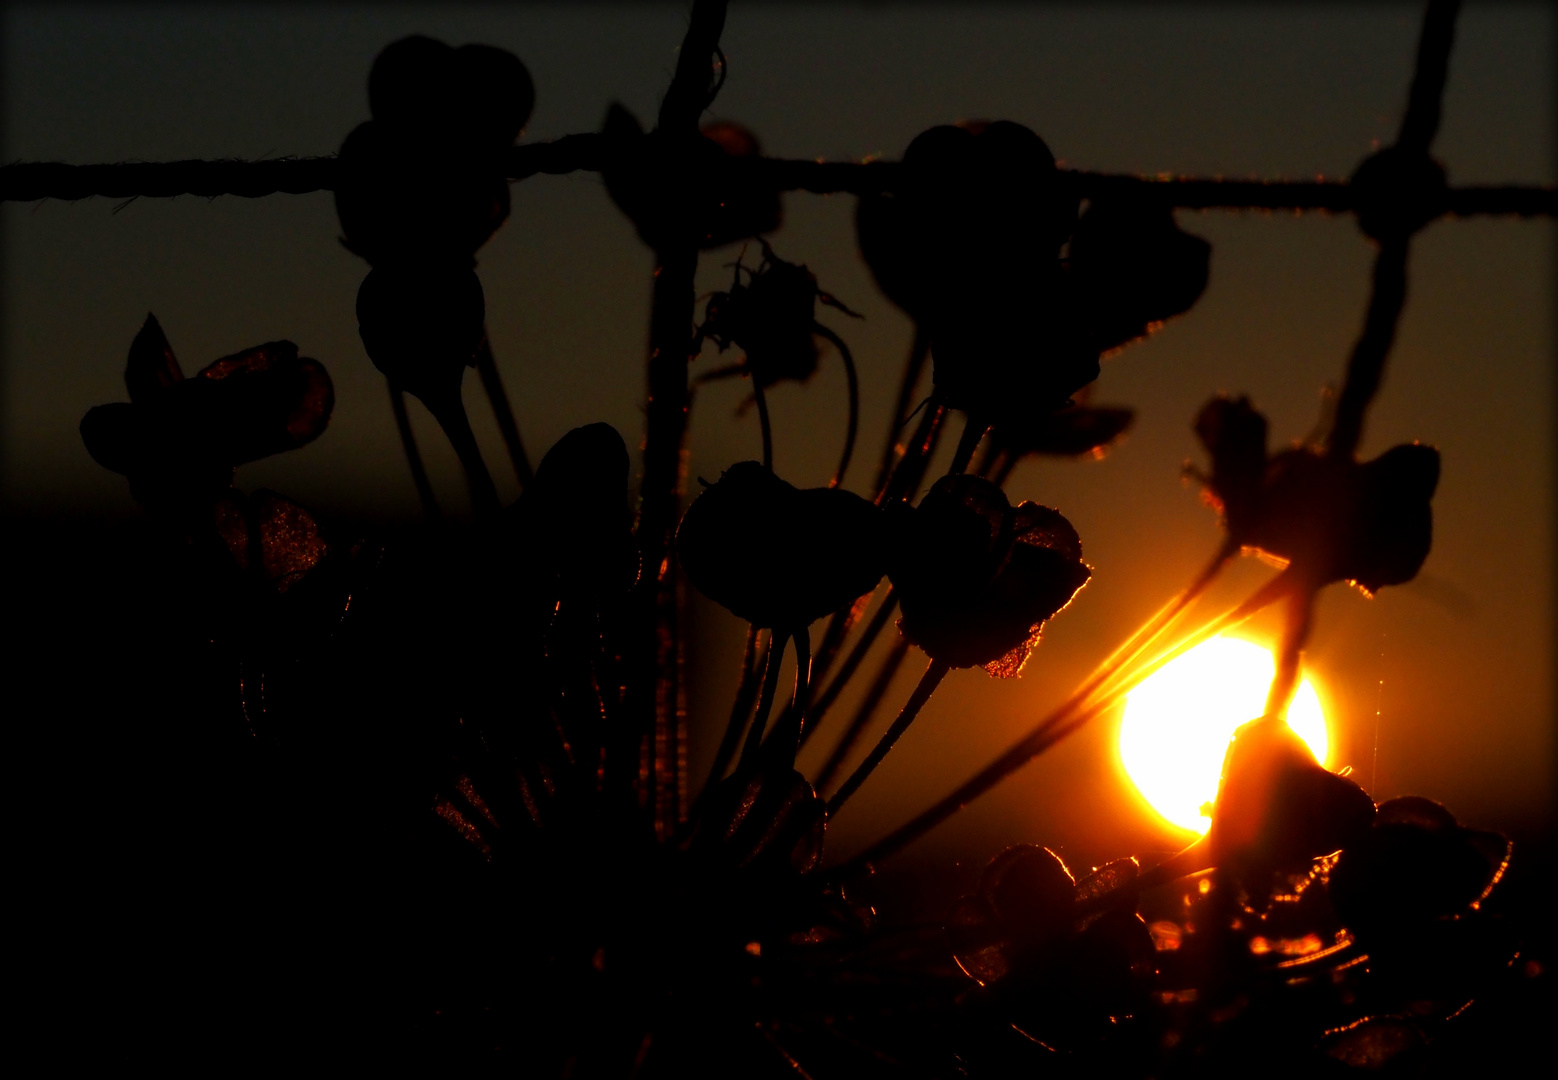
{"points": [[32, 181]]}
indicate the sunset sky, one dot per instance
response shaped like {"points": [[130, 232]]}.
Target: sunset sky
{"points": [[1459, 665]]}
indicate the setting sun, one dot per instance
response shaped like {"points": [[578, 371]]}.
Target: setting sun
{"points": [[1178, 722]]}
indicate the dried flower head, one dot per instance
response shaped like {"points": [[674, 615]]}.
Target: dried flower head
{"points": [[977, 577]]}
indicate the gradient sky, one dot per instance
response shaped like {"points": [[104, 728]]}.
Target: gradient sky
{"points": [[1459, 664]]}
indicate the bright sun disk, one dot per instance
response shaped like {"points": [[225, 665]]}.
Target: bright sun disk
{"points": [[1178, 722]]}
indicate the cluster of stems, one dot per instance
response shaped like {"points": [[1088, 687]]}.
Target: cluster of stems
{"points": [[653, 690]]}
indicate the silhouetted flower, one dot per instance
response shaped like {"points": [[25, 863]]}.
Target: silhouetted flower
{"points": [[682, 189], [1076, 431], [776, 555], [967, 245], [977, 577], [1132, 269], [772, 317], [1331, 518], [179, 439]]}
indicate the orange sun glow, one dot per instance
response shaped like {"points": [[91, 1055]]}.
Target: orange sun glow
{"points": [[1178, 722]]}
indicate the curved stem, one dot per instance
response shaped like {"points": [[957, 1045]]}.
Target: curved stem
{"points": [[919, 350], [854, 400], [851, 665], [765, 701], [911, 467], [1295, 632], [449, 411], [926, 687], [839, 625], [740, 713], [867, 709], [763, 422], [1045, 734], [408, 440], [497, 397], [787, 732]]}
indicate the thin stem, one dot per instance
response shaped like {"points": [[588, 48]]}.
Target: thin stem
{"points": [[765, 701], [973, 431], [923, 690], [863, 714], [854, 400], [762, 419], [919, 351], [752, 665], [408, 440], [1054, 727], [449, 411], [1295, 633], [851, 664], [911, 467], [492, 383], [787, 732], [839, 626]]}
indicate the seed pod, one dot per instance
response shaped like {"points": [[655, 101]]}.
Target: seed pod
{"points": [[421, 325], [977, 578], [416, 195], [1134, 269], [575, 511], [1417, 864], [1277, 806], [778, 556]]}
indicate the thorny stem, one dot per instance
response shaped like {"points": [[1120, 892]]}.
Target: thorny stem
{"points": [[854, 400], [851, 664], [1432, 68], [408, 440], [913, 368], [492, 383], [652, 693], [922, 691], [1366, 366], [765, 700], [864, 713], [1054, 727]]}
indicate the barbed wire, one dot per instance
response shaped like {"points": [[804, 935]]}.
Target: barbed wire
{"points": [[35, 181]]}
